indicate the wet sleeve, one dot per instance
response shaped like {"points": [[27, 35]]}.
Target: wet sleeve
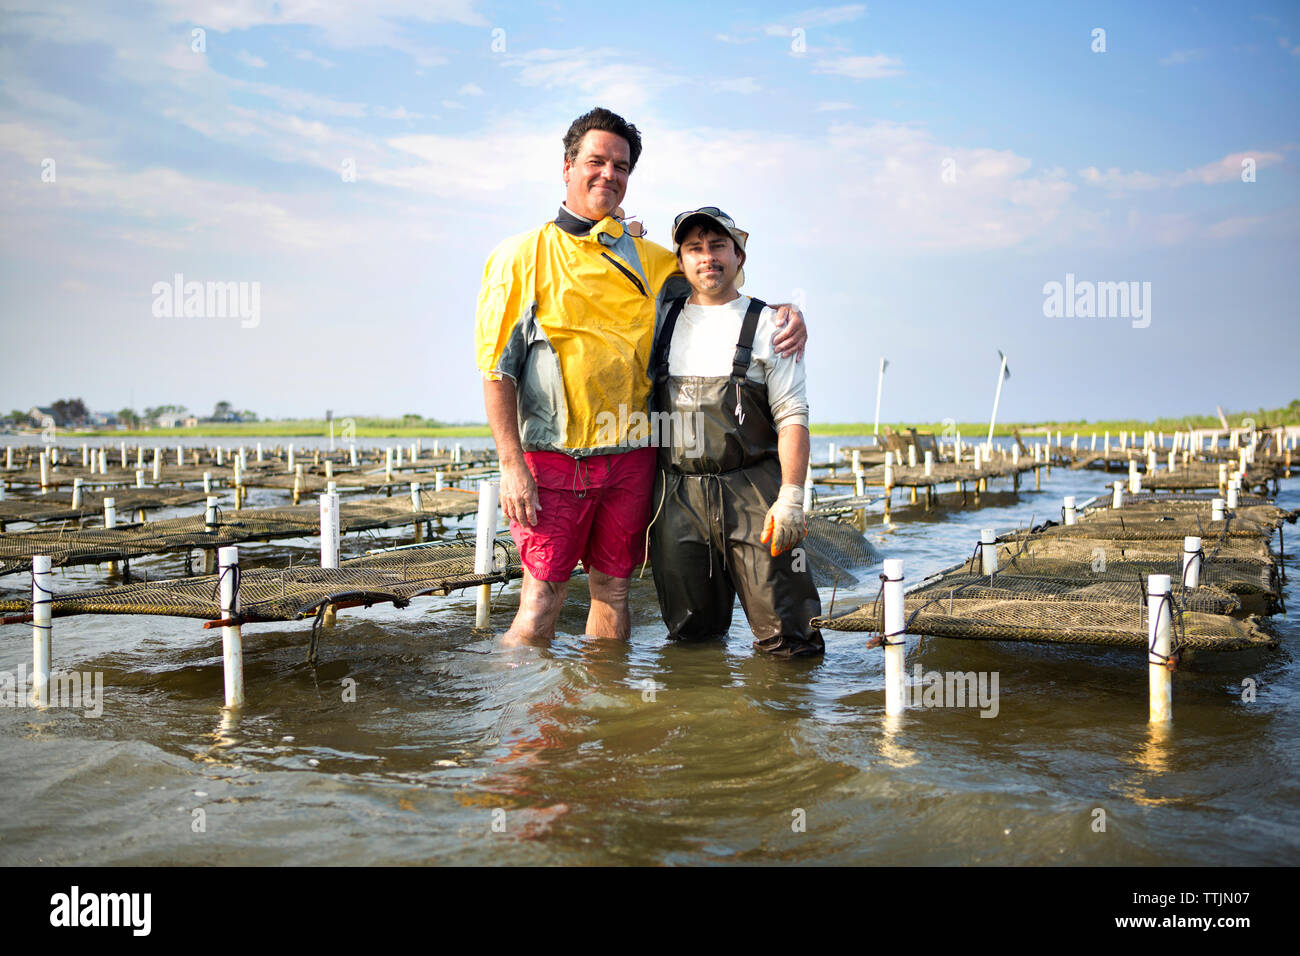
{"points": [[501, 308], [787, 393]]}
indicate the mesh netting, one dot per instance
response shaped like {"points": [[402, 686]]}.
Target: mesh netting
{"points": [[1055, 622], [1235, 565], [91, 546], [1205, 599], [835, 550], [58, 507], [1124, 526], [267, 594]]}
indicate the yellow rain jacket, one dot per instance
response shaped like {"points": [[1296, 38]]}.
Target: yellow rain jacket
{"points": [[569, 315]]}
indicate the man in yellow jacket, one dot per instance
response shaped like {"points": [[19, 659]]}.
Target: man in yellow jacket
{"points": [[565, 324]]}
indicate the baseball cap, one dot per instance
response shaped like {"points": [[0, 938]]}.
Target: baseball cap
{"points": [[723, 220]]}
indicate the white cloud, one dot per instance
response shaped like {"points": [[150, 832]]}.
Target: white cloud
{"points": [[834, 106], [469, 89], [828, 16], [311, 57], [602, 71], [246, 58], [401, 113], [862, 67], [1179, 57], [1225, 170], [740, 84]]}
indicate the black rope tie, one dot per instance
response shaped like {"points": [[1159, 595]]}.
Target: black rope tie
{"points": [[46, 597], [236, 577], [1177, 630], [883, 639]]}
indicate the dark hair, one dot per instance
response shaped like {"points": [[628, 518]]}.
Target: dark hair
{"points": [[708, 226], [602, 119]]}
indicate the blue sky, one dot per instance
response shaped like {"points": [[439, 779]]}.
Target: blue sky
{"points": [[914, 174]]}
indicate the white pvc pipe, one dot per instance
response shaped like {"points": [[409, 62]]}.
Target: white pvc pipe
{"points": [[331, 487], [1192, 561], [42, 615], [455, 455], [289, 461], [1216, 509], [808, 491], [139, 477], [388, 464], [110, 512], [889, 471], [45, 471], [978, 458], [1070, 514], [232, 646], [415, 496], [157, 464], [210, 514], [220, 456], [85, 455], [103, 461], [398, 458], [911, 456], [489, 498], [831, 456], [860, 485], [929, 463], [259, 451], [329, 531], [1134, 479], [895, 649], [352, 455], [1173, 457], [856, 462], [207, 482], [76, 492], [439, 480], [988, 551], [1232, 496], [1159, 641], [180, 454]]}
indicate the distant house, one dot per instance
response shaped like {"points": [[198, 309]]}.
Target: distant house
{"points": [[173, 420], [102, 419], [39, 413], [191, 421]]}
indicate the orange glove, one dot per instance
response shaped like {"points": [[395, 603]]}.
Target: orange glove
{"points": [[784, 525]]}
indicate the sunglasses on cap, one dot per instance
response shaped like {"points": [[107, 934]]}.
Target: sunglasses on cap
{"points": [[713, 212]]}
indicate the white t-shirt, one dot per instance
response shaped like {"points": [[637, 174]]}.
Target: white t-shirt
{"points": [[704, 343]]}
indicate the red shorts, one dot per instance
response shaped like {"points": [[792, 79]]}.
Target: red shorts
{"points": [[595, 509]]}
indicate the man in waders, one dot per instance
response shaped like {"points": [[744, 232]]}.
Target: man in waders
{"points": [[565, 323], [729, 489]]}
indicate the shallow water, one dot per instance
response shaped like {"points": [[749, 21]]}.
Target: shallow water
{"points": [[456, 750]]}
